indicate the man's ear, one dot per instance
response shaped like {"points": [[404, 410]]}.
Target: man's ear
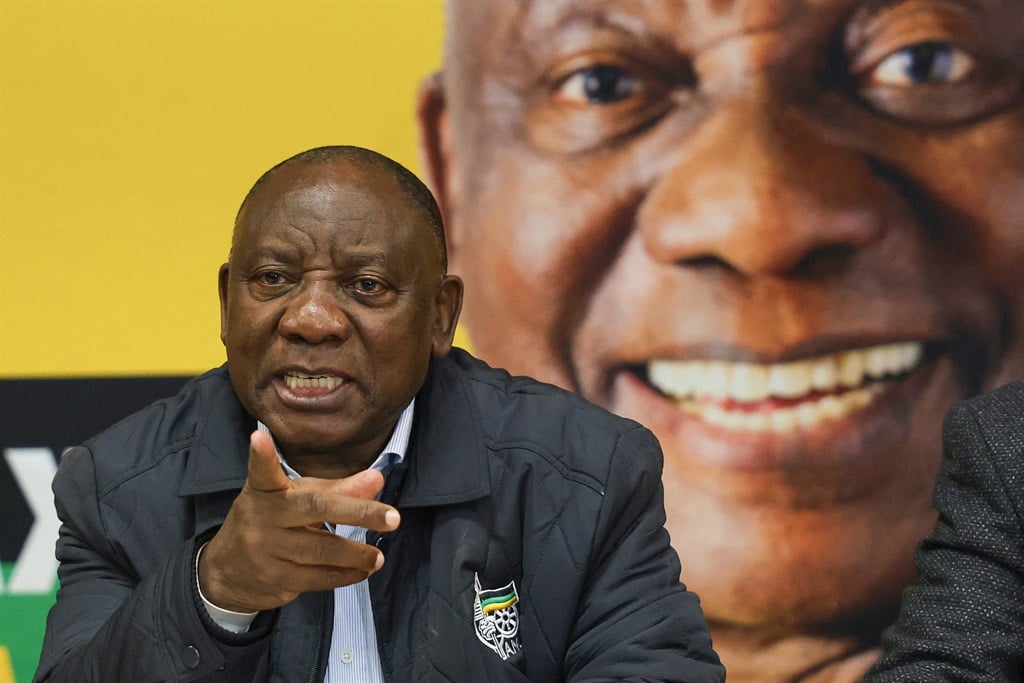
{"points": [[437, 155], [222, 291], [447, 306]]}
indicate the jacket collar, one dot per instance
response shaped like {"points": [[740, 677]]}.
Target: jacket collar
{"points": [[446, 458], [219, 454]]}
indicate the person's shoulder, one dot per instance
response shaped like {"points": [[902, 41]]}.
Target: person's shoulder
{"points": [[138, 440], [1010, 394], [497, 386], [1000, 406], [989, 426], [517, 409]]}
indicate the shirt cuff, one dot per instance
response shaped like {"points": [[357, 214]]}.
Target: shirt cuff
{"points": [[236, 622]]}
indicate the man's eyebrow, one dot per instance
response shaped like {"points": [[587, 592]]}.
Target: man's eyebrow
{"points": [[275, 251], [371, 256], [983, 6], [545, 25], [572, 15]]}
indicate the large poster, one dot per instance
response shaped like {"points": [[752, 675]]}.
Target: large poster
{"points": [[786, 235]]}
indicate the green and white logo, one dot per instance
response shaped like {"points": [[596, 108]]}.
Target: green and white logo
{"points": [[496, 617]]}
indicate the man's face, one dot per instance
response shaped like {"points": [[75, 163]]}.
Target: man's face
{"points": [[331, 306], [785, 235]]}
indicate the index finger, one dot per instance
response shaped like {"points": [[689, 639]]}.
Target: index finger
{"points": [[333, 502]]}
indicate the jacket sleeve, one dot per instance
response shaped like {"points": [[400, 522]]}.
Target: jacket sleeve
{"points": [[636, 621], [109, 624], [964, 618]]}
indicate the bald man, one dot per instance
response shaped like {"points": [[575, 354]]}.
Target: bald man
{"points": [[349, 498]]}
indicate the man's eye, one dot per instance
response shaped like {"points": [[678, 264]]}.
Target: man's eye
{"points": [[598, 84], [368, 286], [600, 96], [932, 62], [922, 64], [271, 278]]}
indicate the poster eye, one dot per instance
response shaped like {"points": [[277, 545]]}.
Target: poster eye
{"points": [[930, 63], [598, 84]]}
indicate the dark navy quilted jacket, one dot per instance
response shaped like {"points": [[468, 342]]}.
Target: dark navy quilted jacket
{"points": [[506, 480]]}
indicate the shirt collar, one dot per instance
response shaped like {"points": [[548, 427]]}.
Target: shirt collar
{"points": [[393, 453]]}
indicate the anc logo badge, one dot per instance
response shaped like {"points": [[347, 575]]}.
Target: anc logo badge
{"points": [[496, 617]]}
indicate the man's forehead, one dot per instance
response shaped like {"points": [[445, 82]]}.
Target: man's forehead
{"points": [[363, 212], [330, 185], [301, 192], [305, 176], [639, 15], [689, 21], [514, 44]]}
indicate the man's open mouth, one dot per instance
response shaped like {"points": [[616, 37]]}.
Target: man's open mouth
{"points": [[297, 380], [783, 396]]}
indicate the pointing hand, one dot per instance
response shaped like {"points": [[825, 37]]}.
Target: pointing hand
{"points": [[272, 545]]}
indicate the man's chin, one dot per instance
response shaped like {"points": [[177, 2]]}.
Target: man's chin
{"points": [[777, 567], [303, 437], [772, 600]]}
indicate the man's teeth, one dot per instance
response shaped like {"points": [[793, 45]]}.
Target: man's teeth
{"points": [[295, 380], [706, 388]]}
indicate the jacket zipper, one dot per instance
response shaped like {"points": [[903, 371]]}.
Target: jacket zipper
{"points": [[316, 674]]}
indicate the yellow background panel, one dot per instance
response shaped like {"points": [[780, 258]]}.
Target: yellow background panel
{"points": [[129, 133]]}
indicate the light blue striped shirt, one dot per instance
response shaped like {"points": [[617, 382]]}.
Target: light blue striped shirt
{"points": [[353, 656]]}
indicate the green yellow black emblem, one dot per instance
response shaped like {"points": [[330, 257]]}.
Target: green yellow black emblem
{"points": [[496, 617]]}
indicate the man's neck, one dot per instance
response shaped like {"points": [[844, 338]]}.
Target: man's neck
{"points": [[333, 463], [324, 466]]}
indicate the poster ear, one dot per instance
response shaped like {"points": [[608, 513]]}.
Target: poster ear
{"points": [[435, 144]]}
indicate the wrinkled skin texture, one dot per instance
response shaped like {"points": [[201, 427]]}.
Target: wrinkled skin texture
{"points": [[635, 184], [333, 301], [332, 274]]}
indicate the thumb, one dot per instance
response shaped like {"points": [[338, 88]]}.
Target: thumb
{"points": [[265, 472]]}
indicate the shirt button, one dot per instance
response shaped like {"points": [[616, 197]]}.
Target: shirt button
{"points": [[190, 657], [346, 656]]}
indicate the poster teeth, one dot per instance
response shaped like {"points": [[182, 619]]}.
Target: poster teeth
{"points": [[793, 380]]}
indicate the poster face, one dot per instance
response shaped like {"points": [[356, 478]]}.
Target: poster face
{"points": [[786, 235]]}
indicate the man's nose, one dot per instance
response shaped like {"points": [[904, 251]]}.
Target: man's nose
{"points": [[759, 190], [315, 314]]}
